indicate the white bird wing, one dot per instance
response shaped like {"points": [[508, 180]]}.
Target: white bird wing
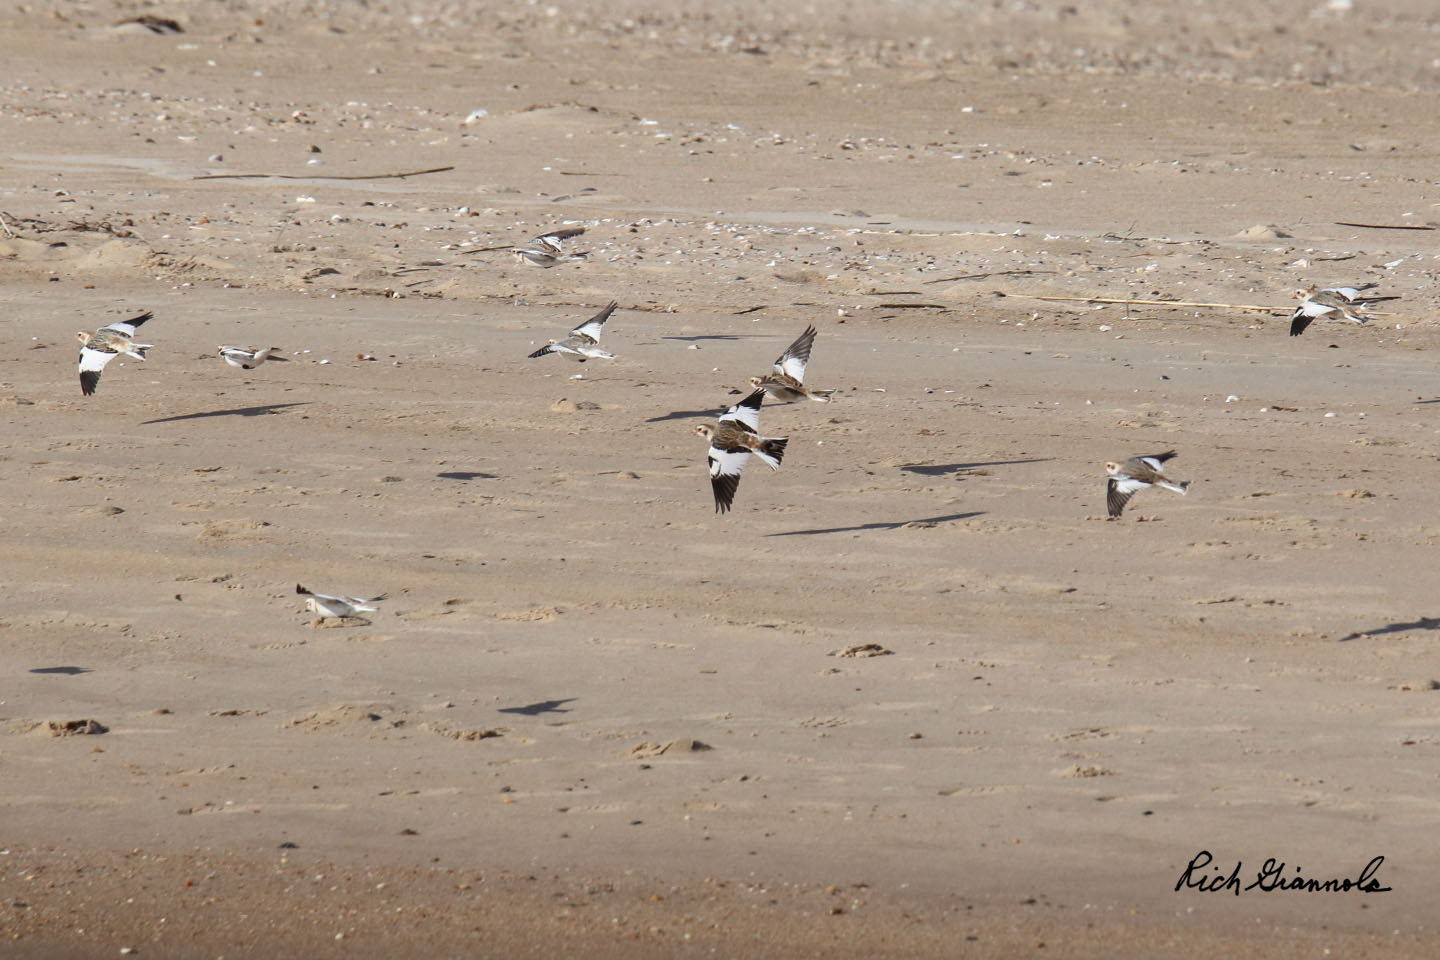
{"points": [[127, 327], [554, 240], [746, 412], [590, 329], [1315, 309], [727, 463], [1350, 293], [240, 354], [725, 467], [792, 362], [93, 361], [1154, 464], [331, 606], [561, 347]]}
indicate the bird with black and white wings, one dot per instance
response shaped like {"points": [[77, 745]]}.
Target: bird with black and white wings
{"points": [[248, 358], [110, 341], [1129, 478], [733, 439], [584, 341], [549, 249], [325, 606], [1319, 305], [787, 375]]}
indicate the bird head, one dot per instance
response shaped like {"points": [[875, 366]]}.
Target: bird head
{"points": [[703, 430], [1112, 468], [755, 382], [84, 337]]}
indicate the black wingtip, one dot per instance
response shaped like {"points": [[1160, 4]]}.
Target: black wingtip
{"points": [[89, 380], [753, 401], [541, 352], [302, 591], [724, 488], [147, 315]]}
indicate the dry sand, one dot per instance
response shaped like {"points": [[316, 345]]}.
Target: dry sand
{"points": [[595, 719]]}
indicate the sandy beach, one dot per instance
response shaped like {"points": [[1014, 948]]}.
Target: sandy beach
{"points": [[916, 695]]}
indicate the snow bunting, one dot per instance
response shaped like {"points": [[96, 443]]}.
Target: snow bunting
{"points": [[104, 345], [1128, 478], [584, 341], [733, 438], [1322, 305], [326, 606], [248, 358], [549, 249], [784, 381]]}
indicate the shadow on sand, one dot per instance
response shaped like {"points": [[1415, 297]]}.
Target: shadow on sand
{"points": [[927, 521], [259, 411]]}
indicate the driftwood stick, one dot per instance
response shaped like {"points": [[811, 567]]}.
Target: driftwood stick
{"points": [[1385, 226], [314, 176], [507, 246], [983, 276], [1159, 303]]}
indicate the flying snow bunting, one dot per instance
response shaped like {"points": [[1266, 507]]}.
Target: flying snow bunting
{"points": [[104, 345], [732, 439], [325, 606], [248, 358], [549, 249], [1128, 478], [1320, 305], [784, 382], [584, 341]]}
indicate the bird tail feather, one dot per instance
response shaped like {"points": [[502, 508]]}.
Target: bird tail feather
{"points": [[772, 450]]}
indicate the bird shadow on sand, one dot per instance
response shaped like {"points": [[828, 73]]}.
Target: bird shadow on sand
{"points": [[544, 706], [467, 475], [1436, 400], [1424, 623], [941, 469], [61, 671], [259, 411], [687, 415], [919, 522]]}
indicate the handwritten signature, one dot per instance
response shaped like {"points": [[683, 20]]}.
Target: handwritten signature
{"points": [[1271, 876]]}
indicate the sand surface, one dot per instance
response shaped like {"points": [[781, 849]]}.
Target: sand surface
{"points": [[593, 718]]}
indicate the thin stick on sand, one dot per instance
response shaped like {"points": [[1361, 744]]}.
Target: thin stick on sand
{"points": [[314, 176], [507, 246], [1176, 303], [1385, 226], [1157, 303]]}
